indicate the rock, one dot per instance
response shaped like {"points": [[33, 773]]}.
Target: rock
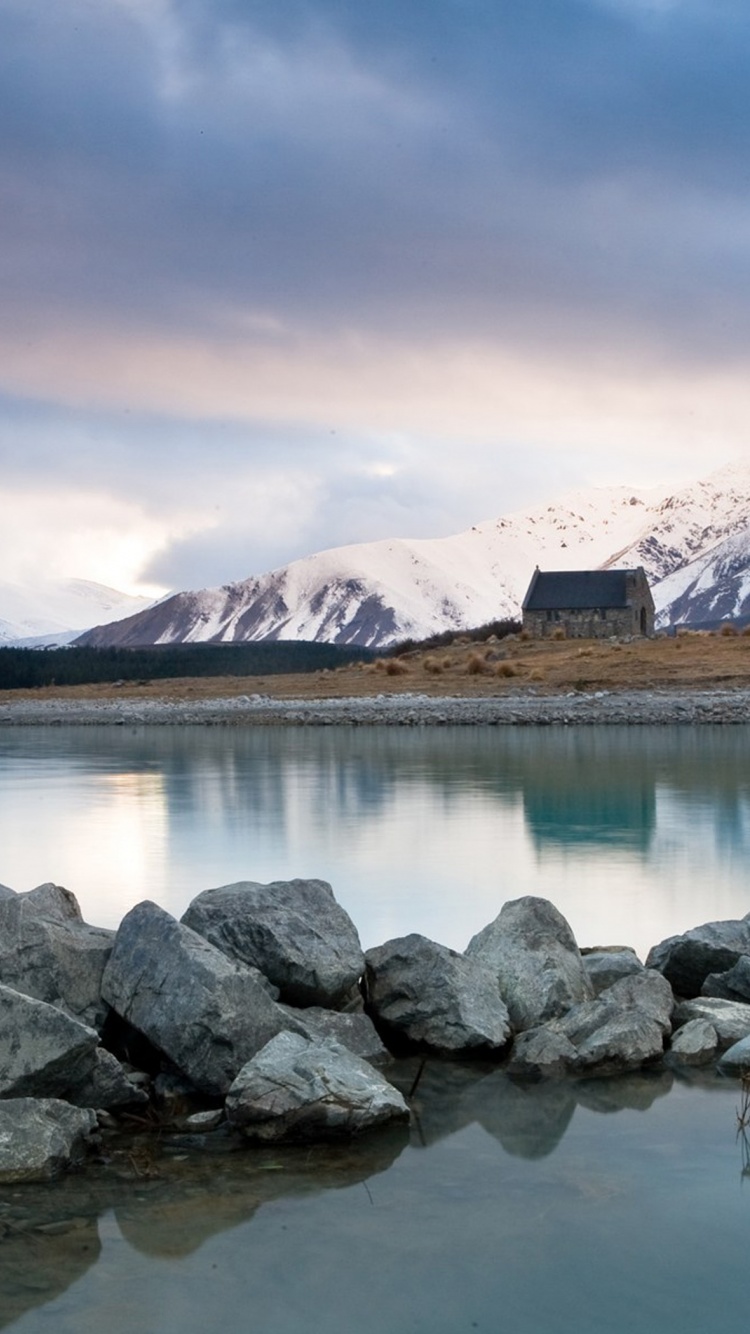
{"points": [[353, 1030], [298, 1090], [293, 931], [736, 1059], [734, 984], [694, 1044], [105, 1085], [604, 967], [208, 1014], [731, 1019], [533, 953], [47, 951], [687, 960], [541, 1053], [621, 1030], [41, 1137], [425, 994], [42, 1050], [201, 1123]]}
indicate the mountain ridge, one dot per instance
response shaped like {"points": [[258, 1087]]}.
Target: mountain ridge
{"points": [[375, 594]]}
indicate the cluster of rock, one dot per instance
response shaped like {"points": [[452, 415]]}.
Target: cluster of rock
{"points": [[259, 1012]]}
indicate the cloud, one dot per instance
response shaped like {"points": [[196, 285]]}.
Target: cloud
{"points": [[278, 276]]}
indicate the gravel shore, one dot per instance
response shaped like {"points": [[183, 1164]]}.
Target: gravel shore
{"points": [[641, 708]]}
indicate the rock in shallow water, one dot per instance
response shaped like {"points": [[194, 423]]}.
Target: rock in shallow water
{"points": [[293, 931], [208, 1014], [298, 1090], [41, 1137], [533, 954], [731, 1019], [428, 995]]}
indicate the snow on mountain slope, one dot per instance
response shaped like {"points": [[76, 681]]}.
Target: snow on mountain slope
{"points": [[713, 587], [54, 612], [377, 593]]}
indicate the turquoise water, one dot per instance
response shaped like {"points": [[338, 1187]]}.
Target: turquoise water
{"points": [[635, 834], [598, 1206]]}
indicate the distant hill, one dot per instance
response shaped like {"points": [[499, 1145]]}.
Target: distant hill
{"points": [[56, 612]]}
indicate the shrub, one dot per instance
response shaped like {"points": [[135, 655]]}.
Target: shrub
{"points": [[505, 669], [559, 633], [727, 629], [395, 667], [536, 675], [432, 666], [475, 665]]}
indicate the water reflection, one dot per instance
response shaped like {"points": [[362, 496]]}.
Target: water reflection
{"points": [[635, 833], [492, 1168]]}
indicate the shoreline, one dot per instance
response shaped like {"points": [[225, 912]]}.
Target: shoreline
{"points": [[645, 707]]}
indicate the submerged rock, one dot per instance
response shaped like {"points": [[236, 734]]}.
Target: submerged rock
{"points": [[736, 1059], [41, 1137], [47, 951], [297, 1090], [687, 960], [425, 994], [533, 954], [208, 1014], [293, 931], [42, 1050]]}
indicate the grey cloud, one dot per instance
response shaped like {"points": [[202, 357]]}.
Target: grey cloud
{"points": [[495, 169]]}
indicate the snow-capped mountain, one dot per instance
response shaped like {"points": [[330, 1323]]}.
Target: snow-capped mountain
{"points": [[377, 593], [56, 613], [713, 587]]}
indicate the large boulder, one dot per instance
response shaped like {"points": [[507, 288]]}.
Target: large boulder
{"points": [[426, 995], [297, 1090], [42, 1050], [208, 1014], [47, 951], [623, 1029], [731, 1019], [687, 960], [293, 931], [41, 1137], [695, 1043], [533, 954]]}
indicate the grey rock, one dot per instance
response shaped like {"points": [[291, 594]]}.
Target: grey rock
{"points": [[208, 1014], [734, 984], [621, 1030], [425, 994], [533, 953], [695, 1043], [42, 1050], [293, 931], [297, 1090], [604, 967], [687, 960], [201, 1123], [736, 1059], [105, 1085], [47, 951], [542, 1053], [731, 1019], [354, 1030], [41, 1137]]}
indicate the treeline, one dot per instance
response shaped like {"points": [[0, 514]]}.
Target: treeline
{"points": [[478, 635], [24, 668]]}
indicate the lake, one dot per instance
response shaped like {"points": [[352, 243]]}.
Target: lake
{"points": [[602, 1206]]}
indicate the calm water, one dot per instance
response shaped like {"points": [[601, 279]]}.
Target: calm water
{"points": [[603, 1206]]}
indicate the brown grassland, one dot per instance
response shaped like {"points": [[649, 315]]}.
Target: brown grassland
{"points": [[466, 669]]}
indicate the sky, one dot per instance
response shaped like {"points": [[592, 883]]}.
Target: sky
{"points": [[279, 275]]}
